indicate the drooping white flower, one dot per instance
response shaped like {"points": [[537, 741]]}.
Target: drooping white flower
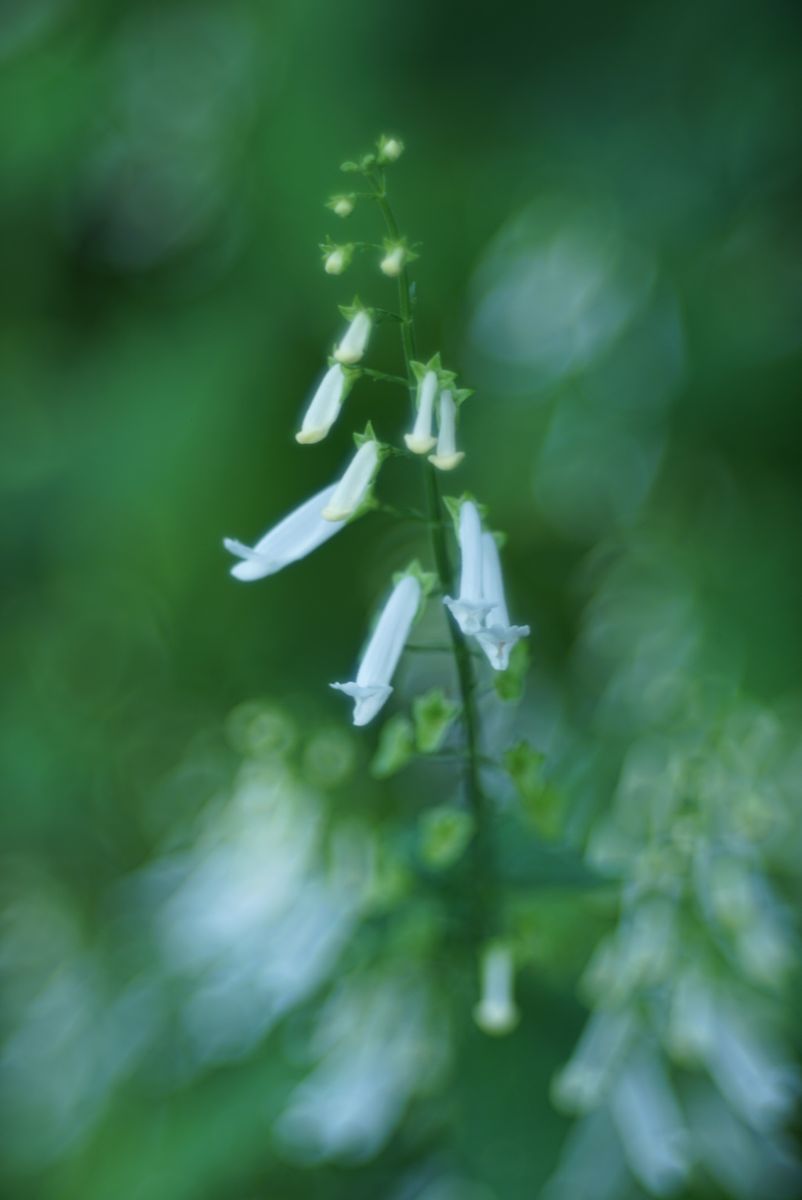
{"points": [[372, 686], [498, 637], [393, 262], [324, 407], [470, 607], [354, 343], [301, 532], [446, 456], [350, 493], [496, 1011], [421, 441]]}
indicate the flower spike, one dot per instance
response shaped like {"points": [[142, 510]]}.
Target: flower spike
{"points": [[446, 457], [354, 343], [352, 491], [498, 637], [324, 407], [470, 608], [301, 532], [421, 441], [372, 686]]}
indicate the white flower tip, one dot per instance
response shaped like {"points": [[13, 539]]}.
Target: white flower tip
{"points": [[496, 1017], [446, 462], [335, 264], [307, 436], [368, 699], [469, 614], [419, 445], [498, 643]]}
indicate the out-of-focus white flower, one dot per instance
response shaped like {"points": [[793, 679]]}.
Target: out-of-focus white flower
{"points": [[352, 490], [496, 1011], [372, 686], [324, 407], [650, 1125], [354, 343], [498, 637], [446, 456], [393, 262], [421, 440], [301, 532], [470, 608]]}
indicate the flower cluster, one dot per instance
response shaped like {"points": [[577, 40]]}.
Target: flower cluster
{"points": [[480, 610]]}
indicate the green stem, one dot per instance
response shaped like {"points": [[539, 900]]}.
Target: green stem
{"points": [[482, 856]]}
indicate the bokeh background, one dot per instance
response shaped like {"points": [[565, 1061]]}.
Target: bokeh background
{"points": [[226, 976]]}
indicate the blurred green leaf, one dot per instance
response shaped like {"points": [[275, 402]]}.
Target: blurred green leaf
{"points": [[444, 834], [434, 714], [510, 684], [396, 747]]}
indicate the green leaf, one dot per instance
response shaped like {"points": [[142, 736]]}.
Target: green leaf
{"points": [[434, 714], [510, 684], [396, 747], [444, 834]]}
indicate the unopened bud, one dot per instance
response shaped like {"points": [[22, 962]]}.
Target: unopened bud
{"points": [[393, 262], [390, 149], [343, 206], [336, 260]]}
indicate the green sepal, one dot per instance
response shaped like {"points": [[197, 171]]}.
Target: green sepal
{"points": [[510, 684], [390, 244], [350, 167], [349, 311], [454, 504], [461, 395], [444, 833], [427, 579], [434, 714], [396, 747], [369, 435], [524, 765], [420, 369]]}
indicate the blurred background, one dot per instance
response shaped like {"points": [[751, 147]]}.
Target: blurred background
{"points": [[227, 976]]}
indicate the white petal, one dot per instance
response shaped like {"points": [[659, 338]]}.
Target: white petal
{"points": [[421, 441], [447, 456], [368, 701], [470, 545], [324, 407], [352, 346], [497, 641], [496, 1011], [469, 614], [301, 532], [352, 489], [493, 582]]}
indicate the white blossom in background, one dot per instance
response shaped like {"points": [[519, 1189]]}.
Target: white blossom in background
{"points": [[650, 1125], [343, 206], [324, 407], [497, 637], [470, 608], [421, 440], [496, 1012], [355, 341], [352, 491], [296, 536], [446, 456], [372, 686]]}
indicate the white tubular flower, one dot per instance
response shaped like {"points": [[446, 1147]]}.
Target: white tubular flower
{"points": [[352, 490], [470, 608], [446, 457], [372, 686], [496, 1011], [324, 407], [393, 262], [336, 260], [296, 536], [353, 345], [498, 637], [421, 441]]}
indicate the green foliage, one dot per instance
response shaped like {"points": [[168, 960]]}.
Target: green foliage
{"points": [[396, 747], [434, 715], [444, 834], [510, 684]]}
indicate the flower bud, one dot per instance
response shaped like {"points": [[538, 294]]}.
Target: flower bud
{"points": [[393, 262], [343, 206], [390, 149], [336, 260], [355, 339]]}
